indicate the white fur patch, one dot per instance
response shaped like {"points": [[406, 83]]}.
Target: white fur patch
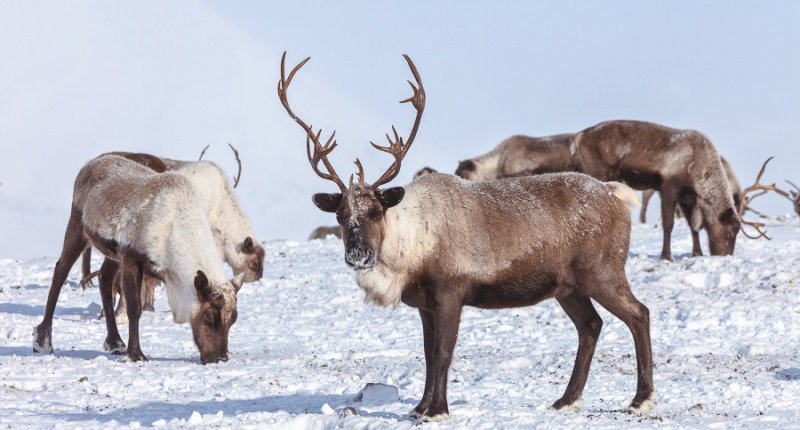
{"points": [[647, 406], [624, 193], [575, 406]]}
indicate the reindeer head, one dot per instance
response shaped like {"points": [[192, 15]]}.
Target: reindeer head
{"points": [[214, 316], [722, 234], [251, 260], [360, 209]]}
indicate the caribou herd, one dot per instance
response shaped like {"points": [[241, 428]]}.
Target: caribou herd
{"points": [[532, 219]]}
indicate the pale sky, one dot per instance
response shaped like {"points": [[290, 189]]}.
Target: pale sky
{"points": [[169, 78]]}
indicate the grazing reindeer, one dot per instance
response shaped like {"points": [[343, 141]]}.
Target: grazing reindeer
{"points": [[696, 225], [147, 224], [682, 165], [232, 232], [444, 243], [520, 155]]}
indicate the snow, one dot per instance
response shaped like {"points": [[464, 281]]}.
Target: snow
{"points": [[305, 350]]}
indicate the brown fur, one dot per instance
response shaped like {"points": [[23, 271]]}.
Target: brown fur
{"points": [[324, 231], [105, 187], [736, 190], [523, 155], [682, 164], [497, 244]]}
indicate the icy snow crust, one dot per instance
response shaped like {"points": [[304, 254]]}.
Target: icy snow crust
{"points": [[726, 342]]}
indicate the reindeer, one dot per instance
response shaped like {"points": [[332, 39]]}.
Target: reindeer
{"points": [[152, 224], [444, 243], [682, 165], [425, 171], [232, 232], [521, 155], [323, 232], [695, 228]]}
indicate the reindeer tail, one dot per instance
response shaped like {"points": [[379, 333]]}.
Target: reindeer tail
{"points": [[624, 193]]}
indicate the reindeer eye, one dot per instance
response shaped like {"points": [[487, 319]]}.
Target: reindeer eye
{"points": [[374, 213], [209, 318]]}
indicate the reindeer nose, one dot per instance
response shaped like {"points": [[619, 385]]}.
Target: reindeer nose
{"points": [[360, 259]]}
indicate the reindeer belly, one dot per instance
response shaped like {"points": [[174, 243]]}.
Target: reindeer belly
{"points": [[525, 291]]}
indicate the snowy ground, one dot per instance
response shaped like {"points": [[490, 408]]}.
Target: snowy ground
{"points": [[725, 331]]}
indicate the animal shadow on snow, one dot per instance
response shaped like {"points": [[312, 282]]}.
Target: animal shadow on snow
{"points": [[791, 374], [7, 351], [295, 404], [38, 310]]}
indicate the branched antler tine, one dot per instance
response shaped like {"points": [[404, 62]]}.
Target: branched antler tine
{"points": [[397, 147], [792, 184], [239, 162], [757, 226], [320, 152]]}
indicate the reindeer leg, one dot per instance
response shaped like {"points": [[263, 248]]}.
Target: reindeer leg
{"points": [[121, 312], [694, 218], [74, 243], [108, 275], [580, 310], [668, 203], [646, 196], [148, 293], [619, 300], [86, 267], [428, 339], [447, 317], [131, 289]]}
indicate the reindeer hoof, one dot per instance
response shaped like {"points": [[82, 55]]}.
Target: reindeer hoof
{"points": [[134, 357], [41, 341], [116, 347], [567, 406], [642, 406], [148, 308]]}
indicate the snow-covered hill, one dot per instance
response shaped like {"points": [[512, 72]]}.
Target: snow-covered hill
{"points": [[726, 342]]}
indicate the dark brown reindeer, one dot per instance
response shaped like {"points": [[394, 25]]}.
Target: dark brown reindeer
{"points": [[145, 222], [444, 243], [696, 225]]}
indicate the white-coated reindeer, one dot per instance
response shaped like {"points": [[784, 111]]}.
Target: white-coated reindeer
{"points": [[152, 224], [231, 229], [444, 243]]}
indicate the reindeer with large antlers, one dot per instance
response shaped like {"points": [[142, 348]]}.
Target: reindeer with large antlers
{"points": [[444, 243]]}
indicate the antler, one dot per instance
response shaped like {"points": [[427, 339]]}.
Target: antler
{"points": [[745, 201], [239, 162], [396, 146], [203, 153], [320, 152]]}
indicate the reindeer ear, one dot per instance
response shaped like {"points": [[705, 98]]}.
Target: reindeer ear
{"points": [[201, 285], [248, 246], [237, 281], [327, 202], [391, 196]]}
